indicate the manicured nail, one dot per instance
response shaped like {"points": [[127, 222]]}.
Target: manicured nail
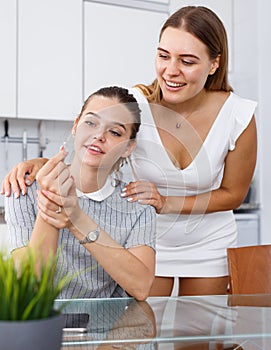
{"points": [[23, 192], [123, 194], [16, 195], [28, 182], [130, 199]]}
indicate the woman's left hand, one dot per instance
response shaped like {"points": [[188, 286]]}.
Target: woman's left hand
{"points": [[57, 210], [145, 193]]}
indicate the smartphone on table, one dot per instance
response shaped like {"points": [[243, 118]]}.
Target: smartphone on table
{"points": [[75, 323]]}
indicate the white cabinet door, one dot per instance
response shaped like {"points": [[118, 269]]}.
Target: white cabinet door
{"points": [[49, 59], [120, 45], [8, 58]]}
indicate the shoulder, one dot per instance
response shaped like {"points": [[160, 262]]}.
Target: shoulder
{"points": [[131, 207], [139, 94], [242, 104]]}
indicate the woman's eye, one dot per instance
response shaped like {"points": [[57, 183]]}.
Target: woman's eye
{"points": [[163, 56], [89, 122], [187, 63], [115, 133]]}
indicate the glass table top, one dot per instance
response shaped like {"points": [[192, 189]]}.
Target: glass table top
{"points": [[228, 321]]}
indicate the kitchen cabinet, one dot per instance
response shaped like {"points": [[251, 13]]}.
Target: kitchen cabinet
{"points": [[119, 45], [8, 71], [49, 59]]}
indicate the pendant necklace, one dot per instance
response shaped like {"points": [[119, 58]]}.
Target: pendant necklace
{"points": [[179, 123]]}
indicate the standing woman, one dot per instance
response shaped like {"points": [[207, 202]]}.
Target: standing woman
{"points": [[202, 154], [195, 155]]}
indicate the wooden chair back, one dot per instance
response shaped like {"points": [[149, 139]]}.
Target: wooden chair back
{"points": [[250, 269]]}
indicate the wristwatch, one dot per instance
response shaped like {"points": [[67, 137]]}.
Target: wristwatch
{"points": [[91, 236]]}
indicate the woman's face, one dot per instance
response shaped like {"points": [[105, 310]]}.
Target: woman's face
{"points": [[102, 134], [182, 65]]}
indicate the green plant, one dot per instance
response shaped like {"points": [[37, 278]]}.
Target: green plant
{"points": [[26, 295]]}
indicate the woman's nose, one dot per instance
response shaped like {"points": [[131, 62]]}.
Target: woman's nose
{"points": [[99, 134], [173, 67]]}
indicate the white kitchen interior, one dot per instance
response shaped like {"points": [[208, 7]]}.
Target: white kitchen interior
{"points": [[54, 53]]}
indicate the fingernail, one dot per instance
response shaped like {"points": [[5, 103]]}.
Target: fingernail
{"points": [[16, 195], [23, 192], [6, 194], [130, 199], [124, 189], [28, 182], [123, 194]]}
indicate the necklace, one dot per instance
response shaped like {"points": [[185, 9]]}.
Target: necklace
{"points": [[179, 123]]}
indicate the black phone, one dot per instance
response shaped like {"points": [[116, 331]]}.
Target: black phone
{"points": [[76, 323]]}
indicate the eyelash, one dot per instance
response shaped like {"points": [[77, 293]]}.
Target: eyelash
{"points": [[187, 63], [113, 132]]}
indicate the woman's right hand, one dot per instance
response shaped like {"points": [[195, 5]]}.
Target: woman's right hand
{"points": [[20, 176]]}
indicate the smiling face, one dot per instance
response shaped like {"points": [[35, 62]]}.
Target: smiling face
{"points": [[102, 133], [182, 65]]}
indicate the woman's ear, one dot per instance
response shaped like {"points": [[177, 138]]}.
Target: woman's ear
{"points": [[214, 65], [130, 147], [75, 123]]}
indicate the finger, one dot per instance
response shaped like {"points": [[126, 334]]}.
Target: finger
{"points": [[136, 189], [45, 203], [56, 222], [57, 199], [53, 162], [14, 185], [63, 175], [50, 179], [5, 187]]}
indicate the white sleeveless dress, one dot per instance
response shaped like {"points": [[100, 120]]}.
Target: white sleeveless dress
{"points": [[191, 245]]}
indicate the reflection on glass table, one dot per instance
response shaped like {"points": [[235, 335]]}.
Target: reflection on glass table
{"points": [[175, 323]]}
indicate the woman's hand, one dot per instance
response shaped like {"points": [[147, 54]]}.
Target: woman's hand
{"points": [[57, 198], [145, 193], [20, 176], [57, 210]]}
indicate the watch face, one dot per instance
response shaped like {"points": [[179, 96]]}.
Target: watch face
{"points": [[92, 236]]}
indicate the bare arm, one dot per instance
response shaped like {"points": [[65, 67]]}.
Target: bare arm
{"points": [[43, 241], [238, 173], [21, 175]]}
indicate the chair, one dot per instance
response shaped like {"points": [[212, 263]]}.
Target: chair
{"points": [[250, 269]]}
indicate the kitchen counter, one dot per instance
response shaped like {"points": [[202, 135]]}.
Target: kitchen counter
{"points": [[247, 208]]}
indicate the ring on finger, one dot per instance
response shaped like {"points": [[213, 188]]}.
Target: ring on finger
{"points": [[59, 210]]}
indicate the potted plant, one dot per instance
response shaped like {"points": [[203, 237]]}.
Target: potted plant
{"points": [[28, 318]]}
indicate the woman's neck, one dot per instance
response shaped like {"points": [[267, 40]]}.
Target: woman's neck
{"points": [[88, 179], [190, 106]]}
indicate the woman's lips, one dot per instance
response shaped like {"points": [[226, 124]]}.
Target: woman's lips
{"points": [[174, 85], [94, 149]]}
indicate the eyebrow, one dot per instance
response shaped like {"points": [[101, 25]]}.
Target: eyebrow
{"points": [[113, 122], [181, 55]]}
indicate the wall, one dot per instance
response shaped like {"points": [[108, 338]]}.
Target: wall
{"points": [[264, 50], [56, 132]]}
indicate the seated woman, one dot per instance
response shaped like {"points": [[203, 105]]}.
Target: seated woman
{"points": [[77, 211]]}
